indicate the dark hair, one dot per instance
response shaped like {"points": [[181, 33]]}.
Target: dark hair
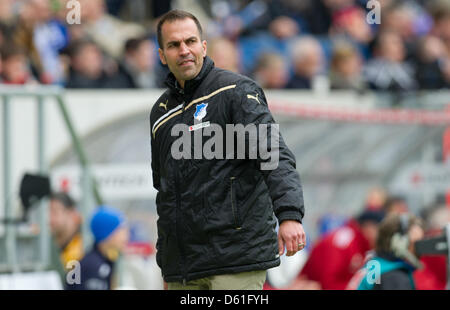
{"points": [[392, 225], [391, 201], [174, 15], [266, 59], [374, 216], [133, 44], [65, 199], [76, 46]]}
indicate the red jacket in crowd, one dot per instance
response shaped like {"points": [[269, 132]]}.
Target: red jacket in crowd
{"points": [[337, 257], [433, 275]]}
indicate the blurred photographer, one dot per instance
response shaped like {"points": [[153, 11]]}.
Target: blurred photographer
{"points": [[395, 259]]}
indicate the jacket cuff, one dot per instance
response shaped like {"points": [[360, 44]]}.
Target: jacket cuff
{"points": [[289, 215]]}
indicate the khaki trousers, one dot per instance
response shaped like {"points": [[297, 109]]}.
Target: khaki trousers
{"points": [[252, 280]]}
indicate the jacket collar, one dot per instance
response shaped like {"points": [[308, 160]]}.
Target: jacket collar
{"points": [[191, 85]]}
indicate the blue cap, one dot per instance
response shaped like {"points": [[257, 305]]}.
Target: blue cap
{"points": [[105, 221]]}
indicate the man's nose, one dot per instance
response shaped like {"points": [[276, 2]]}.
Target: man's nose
{"points": [[184, 50]]}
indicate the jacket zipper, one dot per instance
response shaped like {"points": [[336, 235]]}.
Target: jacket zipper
{"points": [[233, 206]]}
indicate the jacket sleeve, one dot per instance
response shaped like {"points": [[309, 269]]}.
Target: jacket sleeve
{"points": [[276, 162], [155, 156]]}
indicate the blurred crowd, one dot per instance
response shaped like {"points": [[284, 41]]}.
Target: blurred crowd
{"points": [[383, 234], [337, 44], [384, 231]]}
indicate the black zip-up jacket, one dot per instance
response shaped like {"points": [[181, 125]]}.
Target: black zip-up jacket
{"points": [[216, 216]]}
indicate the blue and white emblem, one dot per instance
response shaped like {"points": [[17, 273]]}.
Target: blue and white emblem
{"points": [[200, 111]]}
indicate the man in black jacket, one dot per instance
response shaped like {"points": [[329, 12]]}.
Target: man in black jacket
{"points": [[217, 225]]}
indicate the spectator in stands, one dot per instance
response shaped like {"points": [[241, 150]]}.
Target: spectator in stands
{"points": [[351, 24], [336, 257], [395, 205], [399, 18], [15, 67], [110, 239], [88, 68], [320, 15], [22, 36], [42, 37], [282, 19], [376, 198], [286, 18], [346, 68], [270, 71], [50, 36], [308, 61], [389, 70], [394, 253], [278, 19], [136, 68], [7, 21], [39, 28], [6, 12], [107, 31], [65, 228], [440, 13], [432, 64], [224, 53], [433, 274]]}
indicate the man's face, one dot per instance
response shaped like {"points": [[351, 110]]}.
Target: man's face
{"points": [[392, 48], [58, 216], [89, 61], [370, 232], [118, 240], [182, 50], [15, 69], [143, 56]]}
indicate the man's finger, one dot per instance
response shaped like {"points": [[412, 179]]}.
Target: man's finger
{"points": [[280, 245], [294, 245], [289, 245], [301, 242], [303, 238]]}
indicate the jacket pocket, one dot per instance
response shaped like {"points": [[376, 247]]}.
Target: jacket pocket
{"points": [[234, 205]]}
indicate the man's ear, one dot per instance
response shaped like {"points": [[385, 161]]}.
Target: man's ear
{"points": [[161, 56], [204, 48]]}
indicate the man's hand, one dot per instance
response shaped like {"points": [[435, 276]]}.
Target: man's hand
{"points": [[291, 235]]}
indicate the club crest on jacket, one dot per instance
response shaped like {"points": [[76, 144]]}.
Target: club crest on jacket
{"points": [[200, 111]]}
